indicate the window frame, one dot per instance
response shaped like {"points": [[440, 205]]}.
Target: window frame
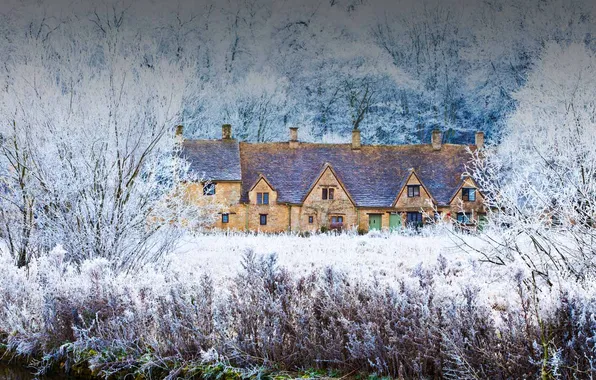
{"points": [[262, 217], [225, 218], [418, 222], [412, 193], [263, 198], [337, 219], [463, 218], [311, 219], [466, 192], [325, 194], [209, 188], [331, 193]]}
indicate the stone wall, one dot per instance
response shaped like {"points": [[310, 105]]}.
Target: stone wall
{"points": [[471, 208], [323, 209]]}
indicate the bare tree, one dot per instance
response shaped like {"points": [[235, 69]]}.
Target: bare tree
{"points": [[541, 181]]}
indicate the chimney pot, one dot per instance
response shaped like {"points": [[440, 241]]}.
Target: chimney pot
{"points": [[436, 139], [293, 137], [226, 132], [479, 140], [356, 143]]}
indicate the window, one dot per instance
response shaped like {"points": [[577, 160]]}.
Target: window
{"points": [[262, 198], [209, 189], [331, 193], [414, 219], [328, 193], [413, 191], [337, 219], [463, 218], [325, 193], [468, 194], [311, 219], [225, 218], [263, 219]]}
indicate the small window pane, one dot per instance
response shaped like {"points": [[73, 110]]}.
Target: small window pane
{"points": [[414, 219], [263, 219], [209, 189], [463, 218], [469, 195], [225, 218], [324, 193], [331, 193], [259, 198], [310, 220], [413, 191], [265, 198]]}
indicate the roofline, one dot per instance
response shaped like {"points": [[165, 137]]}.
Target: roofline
{"points": [[325, 167], [203, 180], [346, 144], [461, 185], [261, 177], [413, 172]]}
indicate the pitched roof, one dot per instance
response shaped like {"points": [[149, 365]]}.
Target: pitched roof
{"points": [[326, 167], [374, 175], [216, 160]]}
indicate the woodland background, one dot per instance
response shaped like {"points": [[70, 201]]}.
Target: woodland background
{"points": [[395, 69]]}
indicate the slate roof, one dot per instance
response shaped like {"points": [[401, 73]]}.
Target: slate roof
{"points": [[373, 176], [216, 160]]}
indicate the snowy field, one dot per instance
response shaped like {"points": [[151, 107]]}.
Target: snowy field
{"points": [[366, 255], [382, 257]]}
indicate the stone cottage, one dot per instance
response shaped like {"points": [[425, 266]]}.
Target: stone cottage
{"points": [[299, 186]]}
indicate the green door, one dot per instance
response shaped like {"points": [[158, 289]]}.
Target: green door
{"points": [[374, 222], [394, 221]]}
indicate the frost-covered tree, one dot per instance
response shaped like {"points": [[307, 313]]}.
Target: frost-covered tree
{"points": [[541, 179], [88, 155]]}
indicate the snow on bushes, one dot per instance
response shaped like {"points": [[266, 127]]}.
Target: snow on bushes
{"points": [[447, 315]]}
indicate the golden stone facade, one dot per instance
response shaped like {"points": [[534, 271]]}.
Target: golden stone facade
{"points": [[270, 189]]}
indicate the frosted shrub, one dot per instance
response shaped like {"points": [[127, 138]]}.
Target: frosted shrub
{"points": [[433, 320]]}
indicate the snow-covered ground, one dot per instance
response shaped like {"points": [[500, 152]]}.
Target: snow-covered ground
{"points": [[380, 256], [366, 255]]}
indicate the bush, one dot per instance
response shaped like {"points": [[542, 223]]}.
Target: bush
{"points": [[433, 322]]}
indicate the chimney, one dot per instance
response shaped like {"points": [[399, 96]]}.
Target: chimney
{"points": [[436, 139], [293, 137], [356, 139], [479, 140], [226, 132], [179, 133]]}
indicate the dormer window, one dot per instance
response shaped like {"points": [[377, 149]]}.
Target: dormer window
{"points": [[468, 194], [328, 193], [209, 188], [262, 198], [413, 191]]}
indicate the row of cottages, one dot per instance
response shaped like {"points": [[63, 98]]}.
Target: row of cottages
{"points": [[299, 186]]}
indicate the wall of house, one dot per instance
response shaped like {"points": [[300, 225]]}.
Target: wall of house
{"points": [[295, 212], [278, 217], [363, 219], [405, 203], [227, 200], [282, 217], [322, 209], [472, 208]]}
